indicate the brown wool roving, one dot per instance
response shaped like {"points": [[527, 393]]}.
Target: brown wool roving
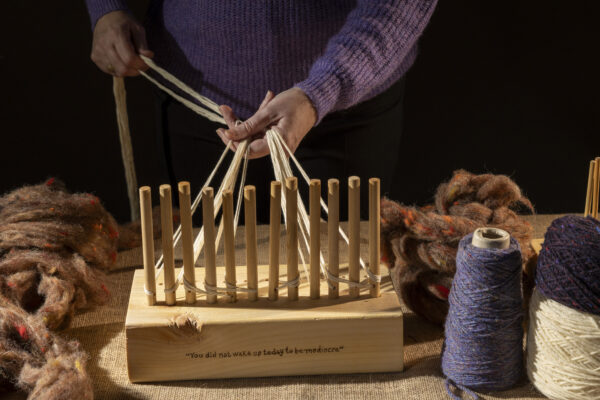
{"points": [[420, 243], [55, 248]]}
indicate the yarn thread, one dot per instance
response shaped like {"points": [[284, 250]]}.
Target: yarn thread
{"points": [[483, 332], [563, 350], [126, 146], [568, 268], [563, 344]]}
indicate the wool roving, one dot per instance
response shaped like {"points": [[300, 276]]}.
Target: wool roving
{"points": [[563, 343], [420, 243], [483, 347], [55, 248], [38, 361]]}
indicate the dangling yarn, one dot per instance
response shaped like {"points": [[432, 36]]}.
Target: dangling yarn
{"points": [[563, 343], [484, 334]]}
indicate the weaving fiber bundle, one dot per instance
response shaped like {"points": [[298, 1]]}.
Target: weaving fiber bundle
{"points": [[55, 248], [483, 332], [420, 244], [563, 344]]}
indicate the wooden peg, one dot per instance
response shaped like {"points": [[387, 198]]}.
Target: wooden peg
{"points": [[315, 238], [333, 224], [291, 199], [374, 233], [589, 194], [187, 239], [166, 219], [251, 244], [274, 232], [208, 222], [354, 233], [597, 189], [229, 243], [148, 244]]}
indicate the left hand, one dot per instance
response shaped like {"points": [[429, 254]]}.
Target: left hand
{"points": [[290, 112]]}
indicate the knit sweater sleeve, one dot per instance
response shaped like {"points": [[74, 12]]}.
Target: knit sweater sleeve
{"points": [[369, 48], [98, 8]]}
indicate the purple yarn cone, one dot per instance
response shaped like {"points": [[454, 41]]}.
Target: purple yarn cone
{"points": [[568, 269], [483, 348]]}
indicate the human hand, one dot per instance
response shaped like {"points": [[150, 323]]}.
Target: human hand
{"points": [[118, 39], [290, 112]]}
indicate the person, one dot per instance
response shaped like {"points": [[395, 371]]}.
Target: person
{"points": [[333, 73]]}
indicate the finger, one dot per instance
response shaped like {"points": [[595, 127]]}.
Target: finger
{"points": [[251, 126], [221, 133], [114, 64], [104, 59], [101, 61], [258, 148], [127, 53], [138, 37], [228, 115], [267, 99], [232, 145]]}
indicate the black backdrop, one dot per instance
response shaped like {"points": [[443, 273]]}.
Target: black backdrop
{"points": [[506, 87]]}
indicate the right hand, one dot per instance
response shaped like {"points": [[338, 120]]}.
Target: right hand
{"points": [[118, 41]]}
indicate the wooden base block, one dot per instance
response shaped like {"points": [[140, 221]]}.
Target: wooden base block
{"points": [[262, 338]]}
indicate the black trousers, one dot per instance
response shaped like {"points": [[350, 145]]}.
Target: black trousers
{"points": [[363, 140]]}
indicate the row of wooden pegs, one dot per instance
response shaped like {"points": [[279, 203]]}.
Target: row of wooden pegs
{"points": [[290, 198], [592, 198]]}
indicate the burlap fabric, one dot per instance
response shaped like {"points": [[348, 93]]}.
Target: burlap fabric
{"points": [[102, 335]]}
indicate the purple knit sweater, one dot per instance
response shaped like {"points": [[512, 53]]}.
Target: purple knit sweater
{"points": [[340, 52]]}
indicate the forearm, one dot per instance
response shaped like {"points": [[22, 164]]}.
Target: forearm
{"points": [[98, 8], [366, 52]]}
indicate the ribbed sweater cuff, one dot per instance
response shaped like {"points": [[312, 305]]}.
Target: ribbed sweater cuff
{"points": [[323, 89], [98, 8]]}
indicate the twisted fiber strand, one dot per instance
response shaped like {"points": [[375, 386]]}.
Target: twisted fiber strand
{"points": [[568, 268], [484, 334], [563, 350], [126, 147]]}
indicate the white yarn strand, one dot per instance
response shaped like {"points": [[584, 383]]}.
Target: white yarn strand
{"points": [[211, 111], [563, 350]]}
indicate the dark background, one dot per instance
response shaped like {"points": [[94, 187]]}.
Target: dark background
{"points": [[505, 87]]}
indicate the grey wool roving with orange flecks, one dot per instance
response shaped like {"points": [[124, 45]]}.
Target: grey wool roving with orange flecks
{"points": [[55, 248], [420, 243]]}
